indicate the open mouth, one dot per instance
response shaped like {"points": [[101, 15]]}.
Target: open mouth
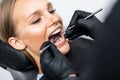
{"points": [[56, 36]]}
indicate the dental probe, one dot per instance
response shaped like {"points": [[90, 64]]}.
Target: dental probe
{"points": [[87, 17], [41, 51]]}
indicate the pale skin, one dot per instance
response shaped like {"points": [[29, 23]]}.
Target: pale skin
{"points": [[35, 21]]}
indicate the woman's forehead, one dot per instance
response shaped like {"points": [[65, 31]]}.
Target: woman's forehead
{"points": [[29, 4], [24, 8]]}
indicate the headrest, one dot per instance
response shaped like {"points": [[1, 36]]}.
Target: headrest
{"points": [[9, 57]]}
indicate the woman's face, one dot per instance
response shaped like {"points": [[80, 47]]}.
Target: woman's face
{"points": [[36, 22]]}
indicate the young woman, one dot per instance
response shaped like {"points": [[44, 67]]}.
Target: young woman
{"points": [[27, 24]]}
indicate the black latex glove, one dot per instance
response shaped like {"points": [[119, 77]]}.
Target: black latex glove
{"points": [[82, 27], [54, 65]]}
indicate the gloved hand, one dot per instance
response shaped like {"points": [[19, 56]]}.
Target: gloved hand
{"points": [[82, 26], [54, 65]]}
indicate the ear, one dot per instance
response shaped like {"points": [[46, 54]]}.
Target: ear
{"points": [[16, 43]]}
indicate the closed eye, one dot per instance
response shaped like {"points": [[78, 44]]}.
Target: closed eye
{"points": [[53, 11], [36, 21]]}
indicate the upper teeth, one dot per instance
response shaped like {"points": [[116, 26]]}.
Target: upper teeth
{"points": [[55, 32]]}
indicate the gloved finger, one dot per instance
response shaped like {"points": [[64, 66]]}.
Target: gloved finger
{"points": [[74, 37], [82, 14], [45, 56], [85, 24], [87, 27], [45, 44], [54, 51], [74, 19], [73, 33], [78, 14]]}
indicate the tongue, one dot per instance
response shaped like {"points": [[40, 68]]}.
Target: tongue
{"points": [[54, 39]]}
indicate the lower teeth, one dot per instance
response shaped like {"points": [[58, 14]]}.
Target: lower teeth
{"points": [[56, 39]]}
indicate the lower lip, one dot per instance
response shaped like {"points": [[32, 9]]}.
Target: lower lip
{"points": [[61, 42]]}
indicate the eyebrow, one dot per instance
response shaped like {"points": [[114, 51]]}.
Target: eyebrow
{"points": [[49, 4]]}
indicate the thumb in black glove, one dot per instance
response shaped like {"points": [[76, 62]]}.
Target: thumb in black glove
{"points": [[82, 26], [54, 65]]}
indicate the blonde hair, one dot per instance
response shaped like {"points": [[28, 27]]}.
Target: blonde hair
{"points": [[7, 24], [6, 20]]}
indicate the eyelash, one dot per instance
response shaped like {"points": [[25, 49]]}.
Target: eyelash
{"points": [[53, 11], [38, 20]]}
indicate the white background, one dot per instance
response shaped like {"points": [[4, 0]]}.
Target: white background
{"points": [[66, 8]]}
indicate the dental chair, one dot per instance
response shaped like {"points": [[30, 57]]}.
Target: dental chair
{"points": [[19, 66]]}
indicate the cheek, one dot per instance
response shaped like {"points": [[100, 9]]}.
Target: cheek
{"points": [[33, 37]]}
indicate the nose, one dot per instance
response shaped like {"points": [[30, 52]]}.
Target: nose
{"points": [[52, 19]]}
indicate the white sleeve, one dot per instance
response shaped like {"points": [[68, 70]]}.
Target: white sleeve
{"points": [[5, 75], [39, 76]]}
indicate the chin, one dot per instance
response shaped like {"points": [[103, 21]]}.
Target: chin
{"points": [[64, 49]]}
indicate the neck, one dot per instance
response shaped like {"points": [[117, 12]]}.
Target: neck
{"points": [[36, 59]]}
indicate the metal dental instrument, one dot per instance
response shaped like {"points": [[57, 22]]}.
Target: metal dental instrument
{"points": [[41, 51], [87, 17]]}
